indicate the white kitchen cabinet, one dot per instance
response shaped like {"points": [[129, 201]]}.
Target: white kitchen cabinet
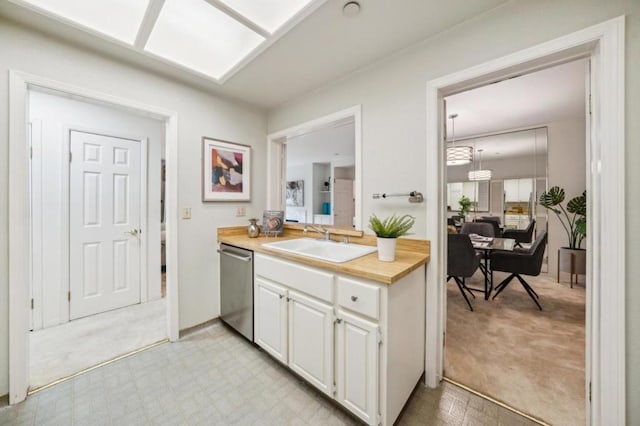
{"points": [[469, 190], [525, 188], [336, 327], [454, 193], [311, 340], [357, 362], [270, 311], [511, 191], [518, 190], [323, 219]]}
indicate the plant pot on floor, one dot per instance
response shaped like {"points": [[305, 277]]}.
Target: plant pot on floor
{"points": [[386, 249], [573, 261]]}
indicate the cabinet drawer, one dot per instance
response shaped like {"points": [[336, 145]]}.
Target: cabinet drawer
{"points": [[302, 278], [359, 297]]}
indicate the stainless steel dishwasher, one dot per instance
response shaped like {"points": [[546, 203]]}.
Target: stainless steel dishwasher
{"points": [[236, 289]]}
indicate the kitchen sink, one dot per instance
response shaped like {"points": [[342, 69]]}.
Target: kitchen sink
{"points": [[329, 251]]}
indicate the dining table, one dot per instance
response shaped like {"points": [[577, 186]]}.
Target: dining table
{"points": [[487, 245]]}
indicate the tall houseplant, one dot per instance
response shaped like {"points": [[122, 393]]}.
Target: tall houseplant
{"points": [[573, 218], [465, 206], [387, 231]]}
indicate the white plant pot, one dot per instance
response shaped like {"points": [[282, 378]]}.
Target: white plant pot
{"points": [[387, 249], [579, 260]]}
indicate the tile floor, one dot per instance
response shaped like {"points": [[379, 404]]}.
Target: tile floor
{"points": [[214, 377]]}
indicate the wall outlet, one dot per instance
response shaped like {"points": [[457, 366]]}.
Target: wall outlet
{"points": [[186, 213], [241, 211]]}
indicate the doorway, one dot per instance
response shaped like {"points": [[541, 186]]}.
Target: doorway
{"points": [[95, 197], [506, 344], [19, 215], [605, 325]]}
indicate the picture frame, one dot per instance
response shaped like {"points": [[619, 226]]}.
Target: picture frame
{"points": [[226, 170], [272, 222], [295, 193]]}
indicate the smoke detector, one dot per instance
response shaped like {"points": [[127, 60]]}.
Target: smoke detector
{"points": [[351, 9]]}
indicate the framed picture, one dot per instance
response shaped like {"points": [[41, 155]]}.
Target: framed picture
{"points": [[226, 171], [272, 222], [295, 193]]}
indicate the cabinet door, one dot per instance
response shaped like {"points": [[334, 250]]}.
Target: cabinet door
{"points": [[511, 193], [311, 340], [454, 191], [525, 188], [270, 323], [469, 190], [357, 358]]}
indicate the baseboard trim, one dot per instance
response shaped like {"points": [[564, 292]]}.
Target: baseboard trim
{"points": [[186, 331], [102, 364], [495, 401]]}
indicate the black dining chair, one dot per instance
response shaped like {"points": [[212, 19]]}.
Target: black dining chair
{"points": [[518, 263], [480, 228], [495, 219], [521, 235], [496, 226], [462, 262]]}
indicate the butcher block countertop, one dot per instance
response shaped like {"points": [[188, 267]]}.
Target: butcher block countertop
{"points": [[410, 253]]}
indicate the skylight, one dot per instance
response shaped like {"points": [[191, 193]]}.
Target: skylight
{"points": [[270, 15], [195, 34], [119, 19], [213, 38]]}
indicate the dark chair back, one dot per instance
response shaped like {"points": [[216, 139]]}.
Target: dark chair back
{"points": [[529, 231], [495, 219], [537, 252], [495, 225], [484, 229], [462, 260]]}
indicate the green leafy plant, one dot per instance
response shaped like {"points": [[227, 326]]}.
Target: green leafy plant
{"points": [[391, 227], [465, 205], [573, 218]]}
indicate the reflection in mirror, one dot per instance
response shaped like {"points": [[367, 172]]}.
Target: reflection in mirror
{"points": [[320, 165], [518, 164]]}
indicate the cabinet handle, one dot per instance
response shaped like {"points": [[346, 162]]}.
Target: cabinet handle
{"points": [[354, 298], [338, 320], [288, 299], [281, 296]]}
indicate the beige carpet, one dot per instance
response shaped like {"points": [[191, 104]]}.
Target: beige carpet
{"points": [[511, 351], [60, 351]]}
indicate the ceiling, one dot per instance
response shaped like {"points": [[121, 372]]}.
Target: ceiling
{"points": [[531, 100], [326, 145], [323, 47]]}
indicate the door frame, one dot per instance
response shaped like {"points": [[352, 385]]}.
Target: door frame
{"points": [[19, 212], [604, 44]]}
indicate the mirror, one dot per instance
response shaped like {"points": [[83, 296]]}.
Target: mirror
{"points": [[518, 164], [320, 175]]}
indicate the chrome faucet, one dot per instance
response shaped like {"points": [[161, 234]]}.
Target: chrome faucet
{"points": [[320, 230]]}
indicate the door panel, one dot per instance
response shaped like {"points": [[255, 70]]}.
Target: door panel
{"points": [[343, 203], [104, 223], [311, 340], [270, 310]]}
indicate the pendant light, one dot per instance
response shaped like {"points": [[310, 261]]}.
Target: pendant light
{"points": [[479, 174], [457, 155]]}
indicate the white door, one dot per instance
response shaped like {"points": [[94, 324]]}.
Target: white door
{"points": [[104, 223], [344, 208], [357, 358], [270, 322], [311, 340]]}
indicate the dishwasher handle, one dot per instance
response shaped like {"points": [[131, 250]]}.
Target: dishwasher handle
{"points": [[235, 256]]}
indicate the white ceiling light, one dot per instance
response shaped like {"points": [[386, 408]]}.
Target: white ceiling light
{"points": [[196, 35], [270, 15], [479, 174], [457, 155], [119, 19]]}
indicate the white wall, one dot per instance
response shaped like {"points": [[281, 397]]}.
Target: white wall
{"points": [[392, 95], [199, 114], [54, 114]]}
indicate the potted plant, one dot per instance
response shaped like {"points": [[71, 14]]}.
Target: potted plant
{"points": [[574, 221], [387, 231], [465, 206]]}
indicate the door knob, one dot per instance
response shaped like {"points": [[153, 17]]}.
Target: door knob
{"points": [[133, 232]]}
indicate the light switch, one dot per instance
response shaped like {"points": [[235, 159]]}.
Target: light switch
{"points": [[241, 211], [186, 213]]}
